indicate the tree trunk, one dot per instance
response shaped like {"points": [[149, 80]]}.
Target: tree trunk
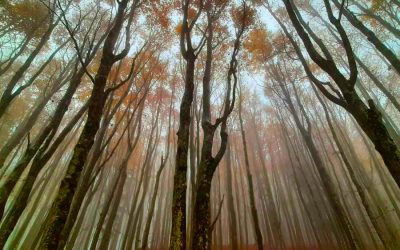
{"points": [[233, 235], [253, 208], [15, 210], [61, 206], [201, 213], [178, 230]]}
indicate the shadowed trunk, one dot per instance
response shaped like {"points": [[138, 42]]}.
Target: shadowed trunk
{"points": [[253, 208], [58, 213]]}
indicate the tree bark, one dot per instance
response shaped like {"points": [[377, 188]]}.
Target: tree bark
{"points": [[233, 234], [253, 208], [58, 213]]}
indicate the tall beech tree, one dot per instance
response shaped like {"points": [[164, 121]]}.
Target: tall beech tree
{"points": [[59, 211], [202, 222], [117, 114], [305, 130], [190, 53], [254, 213], [368, 116]]}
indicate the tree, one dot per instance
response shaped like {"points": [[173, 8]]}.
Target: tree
{"points": [[59, 211], [368, 117]]}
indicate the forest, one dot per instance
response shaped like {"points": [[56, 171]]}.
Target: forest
{"points": [[200, 124]]}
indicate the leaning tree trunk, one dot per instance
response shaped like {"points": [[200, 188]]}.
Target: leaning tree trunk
{"points": [[253, 208], [275, 231], [368, 117], [157, 183], [333, 198], [21, 201], [10, 93], [38, 148], [357, 182], [233, 233], [59, 211]]}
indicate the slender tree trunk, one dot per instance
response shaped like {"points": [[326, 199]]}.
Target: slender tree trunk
{"points": [[253, 208], [61, 206], [371, 36], [112, 200], [79, 222], [233, 235], [10, 93], [340, 213], [355, 179], [368, 117], [272, 211], [26, 125], [157, 183], [11, 218], [152, 207]]}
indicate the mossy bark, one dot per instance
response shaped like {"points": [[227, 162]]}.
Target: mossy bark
{"points": [[178, 230], [370, 120], [59, 211], [201, 214], [58, 214]]}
